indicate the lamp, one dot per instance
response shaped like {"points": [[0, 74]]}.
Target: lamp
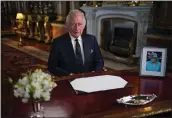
{"points": [[20, 18]]}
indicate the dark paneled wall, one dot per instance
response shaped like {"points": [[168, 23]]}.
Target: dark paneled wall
{"points": [[163, 14]]}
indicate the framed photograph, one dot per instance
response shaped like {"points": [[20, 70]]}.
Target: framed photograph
{"points": [[153, 61]]}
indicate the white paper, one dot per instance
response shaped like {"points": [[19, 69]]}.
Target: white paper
{"points": [[98, 83]]}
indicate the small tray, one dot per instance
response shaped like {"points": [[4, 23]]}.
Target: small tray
{"points": [[141, 99]]}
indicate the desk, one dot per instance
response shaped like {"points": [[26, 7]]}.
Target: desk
{"points": [[66, 103]]}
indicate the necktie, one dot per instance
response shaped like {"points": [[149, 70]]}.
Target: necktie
{"points": [[79, 59]]}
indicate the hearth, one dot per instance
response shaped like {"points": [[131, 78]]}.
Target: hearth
{"points": [[118, 36], [108, 21]]}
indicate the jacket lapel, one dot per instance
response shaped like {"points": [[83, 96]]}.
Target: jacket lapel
{"points": [[70, 50], [85, 43]]}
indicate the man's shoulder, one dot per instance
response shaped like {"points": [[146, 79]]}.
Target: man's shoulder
{"points": [[89, 35], [61, 38]]}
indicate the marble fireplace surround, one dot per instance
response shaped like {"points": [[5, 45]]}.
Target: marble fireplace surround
{"points": [[140, 14]]}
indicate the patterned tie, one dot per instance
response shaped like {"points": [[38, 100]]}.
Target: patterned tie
{"points": [[79, 59]]}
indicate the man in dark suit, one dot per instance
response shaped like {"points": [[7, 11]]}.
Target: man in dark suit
{"points": [[75, 52]]}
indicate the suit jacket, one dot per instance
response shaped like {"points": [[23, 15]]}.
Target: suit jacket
{"points": [[62, 60]]}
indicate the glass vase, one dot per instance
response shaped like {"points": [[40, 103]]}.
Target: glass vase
{"points": [[37, 110]]}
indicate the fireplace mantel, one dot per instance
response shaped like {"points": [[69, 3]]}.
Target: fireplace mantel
{"points": [[140, 14]]}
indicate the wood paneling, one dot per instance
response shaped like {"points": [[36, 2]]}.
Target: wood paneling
{"points": [[163, 15]]}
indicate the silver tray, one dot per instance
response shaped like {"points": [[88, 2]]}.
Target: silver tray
{"points": [[141, 99]]}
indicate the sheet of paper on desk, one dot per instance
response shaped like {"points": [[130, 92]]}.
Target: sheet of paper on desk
{"points": [[98, 83]]}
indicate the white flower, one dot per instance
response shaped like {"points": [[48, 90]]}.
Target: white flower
{"points": [[40, 78], [16, 86], [37, 94], [24, 100], [26, 95], [28, 87], [54, 85], [45, 82], [16, 93], [23, 81], [21, 91], [34, 76], [47, 98], [36, 85], [46, 95]]}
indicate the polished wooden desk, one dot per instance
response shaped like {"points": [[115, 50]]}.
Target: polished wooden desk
{"points": [[66, 103]]}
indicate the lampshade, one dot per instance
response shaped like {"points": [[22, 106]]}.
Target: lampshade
{"points": [[19, 16]]}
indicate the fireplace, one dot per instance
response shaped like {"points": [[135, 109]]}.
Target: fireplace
{"points": [[108, 21], [118, 36]]}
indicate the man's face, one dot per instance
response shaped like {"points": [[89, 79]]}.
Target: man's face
{"points": [[76, 25]]}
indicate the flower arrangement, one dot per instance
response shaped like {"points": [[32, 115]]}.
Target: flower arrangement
{"points": [[35, 85]]}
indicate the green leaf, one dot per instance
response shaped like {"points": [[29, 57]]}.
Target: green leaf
{"points": [[10, 80]]}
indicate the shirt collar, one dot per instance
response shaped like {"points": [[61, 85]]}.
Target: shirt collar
{"points": [[72, 38]]}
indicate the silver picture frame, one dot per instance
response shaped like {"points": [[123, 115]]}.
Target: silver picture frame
{"points": [[153, 61]]}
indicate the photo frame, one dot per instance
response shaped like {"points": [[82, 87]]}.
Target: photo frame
{"points": [[153, 61]]}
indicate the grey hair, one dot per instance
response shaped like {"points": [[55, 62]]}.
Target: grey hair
{"points": [[71, 13]]}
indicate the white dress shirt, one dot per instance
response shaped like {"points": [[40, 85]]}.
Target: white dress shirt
{"points": [[80, 43]]}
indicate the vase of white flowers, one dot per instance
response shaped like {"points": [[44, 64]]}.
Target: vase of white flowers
{"points": [[37, 110], [35, 86]]}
